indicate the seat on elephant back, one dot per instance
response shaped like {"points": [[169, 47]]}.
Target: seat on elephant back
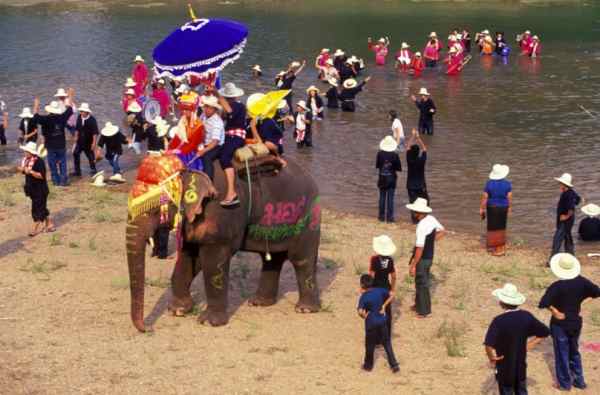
{"points": [[257, 159]]}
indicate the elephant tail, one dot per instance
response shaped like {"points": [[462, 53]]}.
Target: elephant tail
{"points": [[137, 233]]}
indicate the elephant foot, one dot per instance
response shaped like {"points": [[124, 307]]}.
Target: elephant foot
{"points": [[180, 307], [261, 301], [214, 318], [304, 307]]}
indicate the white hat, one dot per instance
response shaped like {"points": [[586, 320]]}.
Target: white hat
{"points": [[424, 92], [130, 92], [295, 64], [324, 50], [61, 93], [339, 52], [404, 46], [329, 62], [486, 31], [313, 88], [565, 266], [54, 108], [433, 34], [85, 108], [384, 246], [418, 54], [452, 50], [138, 58], [173, 132], [350, 83], [565, 179], [509, 295], [257, 68], [162, 129], [253, 98], [34, 149], [130, 83], [381, 40], [211, 101], [527, 31], [282, 104], [302, 104], [353, 59], [98, 179], [332, 81], [388, 144], [231, 91], [499, 172], [419, 206], [593, 210], [181, 89], [157, 120], [160, 81], [26, 113], [109, 129], [117, 178], [535, 38], [134, 107]]}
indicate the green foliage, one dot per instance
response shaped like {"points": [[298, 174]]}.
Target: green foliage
{"points": [[55, 240], [359, 269], [595, 317], [158, 282], [43, 268], [119, 283], [453, 335], [327, 308]]}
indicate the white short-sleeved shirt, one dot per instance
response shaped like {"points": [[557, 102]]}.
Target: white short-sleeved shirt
{"points": [[397, 126], [425, 227], [301, 122], [214, 127]]}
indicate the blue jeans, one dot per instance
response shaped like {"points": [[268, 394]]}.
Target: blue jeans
{"points": [[57, 161], [114, 162], [563, 234], [519, 388], [386, 204], [567, 358]]}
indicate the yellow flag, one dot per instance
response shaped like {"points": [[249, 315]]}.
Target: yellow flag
{"points": [[266, 106]]}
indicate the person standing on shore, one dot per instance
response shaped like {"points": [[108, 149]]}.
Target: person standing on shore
{"points": [[427, 109], [27, 127], [589, 227], [86, 135], [506, 341], [428, 231], [388, 164], [3, 127], [565, 215], [564, 298], [496, 203], [381, 268], [416, 158], [140, 76]]}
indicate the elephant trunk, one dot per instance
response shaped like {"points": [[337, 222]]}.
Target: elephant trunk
{"points": [[137, 234]]}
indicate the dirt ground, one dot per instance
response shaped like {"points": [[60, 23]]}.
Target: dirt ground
{"points": [[65, 328]]}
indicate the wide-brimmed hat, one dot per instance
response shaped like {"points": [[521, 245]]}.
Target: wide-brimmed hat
{"points": [[98, 179], [527, 32], [485, 31], [182, 89], [211, 101], [138, 58], [26, 113], [388, 144], [84, 107], [332, 81], [281, 105], [253, 98], [339, 52], [353, 59], [130, 92], [384, 246], [419, 206], [565, 266], [381, 40], [134, 107], [34, 149], [499, 172], [295, 64], [565, 179], [433, 35], [302, 104], [130, 83], [117, 178], [231, 91], [109, 129], [593, 210], [157, 120], [160, 81], [325, 50], [535, 38], [404, 46], [423, 92], [350, 83], [256, 67], [418, 54], [61, 93], [54, 108], [313, 88], [509, 295], [162, 129]]}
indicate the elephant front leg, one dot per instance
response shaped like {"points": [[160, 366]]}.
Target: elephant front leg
{"points": [[215, 267], [268, 286], [306, 275], [181, 280]]}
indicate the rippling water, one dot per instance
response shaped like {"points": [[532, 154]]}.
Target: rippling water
{"points": [[523, 114]]}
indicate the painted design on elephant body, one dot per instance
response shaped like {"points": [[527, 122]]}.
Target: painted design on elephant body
{"points": [[282, 220], [310, 283], [191, 196], [217, 279], [283, 213]]}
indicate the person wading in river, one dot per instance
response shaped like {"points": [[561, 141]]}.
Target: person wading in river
{"points": [[416, 157], [427, 109], [565, 215], [496, 203], [350, 88]]}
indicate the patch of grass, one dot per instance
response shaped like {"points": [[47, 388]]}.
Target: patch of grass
{"points": [[327, 308], [538, 283], [102, 216], [44, 268], [119, 283], [329, 264], [73, 244], [359, 269], [518, 241], [92, 243], [55, 240], [158, 282], [409, 280], [459, 296], [595, 317], [501, 268], [453, 335]]}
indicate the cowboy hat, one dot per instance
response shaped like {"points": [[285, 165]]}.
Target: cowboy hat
{"points": [[85, 108], [313, 88], [117, 178], [231, 91], [26, 113], [339, 52], [295, 64], [565, 266], [350, 83], [138, 58], [329, 62], [257, 68], [332, 81], [527, 32], [593, 210], [486, 31], [98, 179], [325, 50], [509, 295], [211, 101], [109, 129], [130, 92], [499, 172], [302, 104], [433, 35], [130, 83], [158, 120], [388, 144], [353, 59], [535, 38], [419, 206], [565, 179], [384, 246], [34, 149], [54, 108], [160, 82], [452, 50], [418, 54], [61, 93], [381, 40], [181, 89], [162, 129], [423, 92], [281, 105], [404, 46], [134, 107]]}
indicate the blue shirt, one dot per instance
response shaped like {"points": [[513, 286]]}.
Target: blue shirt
{"points": [[372, 301], [498, 191]]}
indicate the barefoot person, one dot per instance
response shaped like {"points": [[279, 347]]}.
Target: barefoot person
{"points": [[496, 203], [428, 231], [565, 215]]}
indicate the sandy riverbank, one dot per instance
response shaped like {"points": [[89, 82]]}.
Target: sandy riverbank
{"points": [[64, 314]]}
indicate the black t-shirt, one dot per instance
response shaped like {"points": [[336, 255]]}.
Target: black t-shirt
{"points": [[350, 94], [424, 107], [287, 81], [270, 131], [415, 177], [35, 187], [382, 267], [568, 200], [589, 229], [508, 334], [87, 130], [566, 296], [137, 128], [155, 143], [53, 128], [27, 126], [236, 119], [113, 144], [388, 164]]}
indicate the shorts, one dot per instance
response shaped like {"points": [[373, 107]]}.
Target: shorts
{"points": [[232, 144]]}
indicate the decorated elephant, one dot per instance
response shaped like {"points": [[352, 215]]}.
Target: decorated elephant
{"points": [[278, 217]]}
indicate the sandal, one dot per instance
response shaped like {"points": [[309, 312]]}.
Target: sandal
{"points": [[50, 229], [232, 202]]}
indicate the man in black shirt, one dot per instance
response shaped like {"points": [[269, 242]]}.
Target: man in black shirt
{"points": [[565, 215], [416, 157], [382, 270], [427, 109], [563, 298], [589, 227], [86, 135], [506, 341], [286, 80], [388, 164]]}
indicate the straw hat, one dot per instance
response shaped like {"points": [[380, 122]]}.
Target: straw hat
{"points": [[158, 120], [353, 59], [384, 246], [253, 98], [117, 178], [134, 107], [130, 83], [486, 32], [130, 92], [313, 88], [423, 92], [231, 91], [85, 108], [419, 206], [565, 179], [211, 101], [381, 40], [98, 179], [509, 295], [433, 35], [109, 130], [54, 108], [34, 149], [302, 104], [138, 58], [536, 38], [499, 172], [329, 62], [404, 46], [388, 144], [282, 104], [257, 68], [418, 54], [350, 83], [26, 113], [325, 50], [593, 210], [61, 93], [565, 266], [339, 52], [181, 89], [332, 81]]}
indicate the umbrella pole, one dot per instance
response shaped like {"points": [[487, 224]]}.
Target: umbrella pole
{"points": [[192, 14]]}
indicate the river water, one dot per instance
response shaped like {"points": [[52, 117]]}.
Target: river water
{"points": [[525, 114]]}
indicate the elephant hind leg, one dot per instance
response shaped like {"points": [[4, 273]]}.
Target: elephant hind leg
{"points": [[268, 286]]}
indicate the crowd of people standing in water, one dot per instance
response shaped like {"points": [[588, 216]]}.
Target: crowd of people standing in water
{"points": [[228, 126]]}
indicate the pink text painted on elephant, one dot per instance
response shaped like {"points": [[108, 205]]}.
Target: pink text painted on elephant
{"points": [[315, 218], [283, 213]]}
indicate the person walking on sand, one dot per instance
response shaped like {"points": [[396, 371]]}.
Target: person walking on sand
{"points": [[564, 298], [113, 141], [381, 268], [507, 341], [388, 164], [372, 305], [427, 109], [428, 231], [416, 158], [565, 215], [496, 203], [589, 227], [86, 136]]}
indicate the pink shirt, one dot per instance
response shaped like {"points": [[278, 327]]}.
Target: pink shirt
{"points": [[163, 98], [140, 76], [381, 52]]}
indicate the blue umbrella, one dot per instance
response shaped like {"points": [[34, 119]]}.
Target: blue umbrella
{"points": [[201, 48]]}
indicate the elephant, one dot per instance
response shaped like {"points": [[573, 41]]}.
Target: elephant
{"points": [[278, 217]]}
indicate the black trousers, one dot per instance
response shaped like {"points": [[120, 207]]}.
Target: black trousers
{"points": [[2, 136], [426, 127], [77, 158], [373, 337], [563, 235], [348, 105], [413, 194], [208, 161], [161, 242]]}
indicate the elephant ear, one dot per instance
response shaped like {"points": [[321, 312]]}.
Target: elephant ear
{"points": [[197, 187]]}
